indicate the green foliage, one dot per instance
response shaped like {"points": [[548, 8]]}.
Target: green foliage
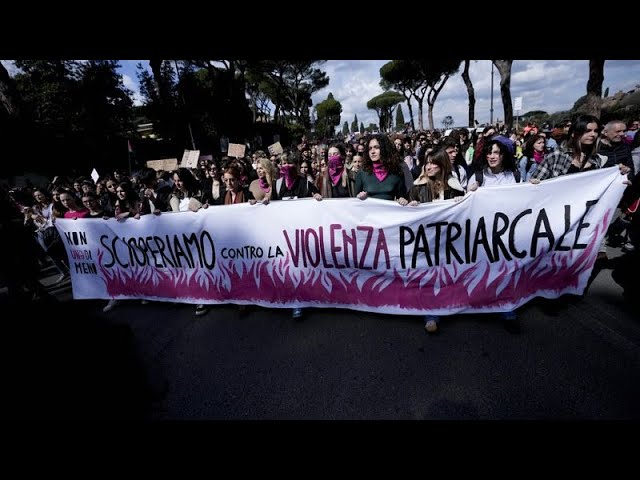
{"points": [[345, 128], [624, 106], [447, 122], [104, 104], [78, 112], [328, 112], [383, 105], [160, 99], [417, 78], [295, 130], [533, 113], [540, 117], [385, 100], [48, 88], [579, 103], [289, 85], [354, 124], [361, 128]]}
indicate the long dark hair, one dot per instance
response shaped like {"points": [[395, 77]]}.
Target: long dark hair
{"points": [[577, 129], [188, 181], [389, 156], [440, 157], [528, 149]]}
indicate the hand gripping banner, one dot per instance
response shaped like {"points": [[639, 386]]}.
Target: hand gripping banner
{"points": [[493, 251]]}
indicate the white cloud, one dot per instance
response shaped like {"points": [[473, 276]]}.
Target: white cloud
{"points": [[549, 85], [353, 83], [10, 66], [134, 87]]}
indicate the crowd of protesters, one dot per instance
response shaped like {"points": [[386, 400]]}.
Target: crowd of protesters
{"points": [[408, 168]]}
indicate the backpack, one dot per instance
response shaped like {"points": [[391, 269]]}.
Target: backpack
{"points": [[480, 176]]}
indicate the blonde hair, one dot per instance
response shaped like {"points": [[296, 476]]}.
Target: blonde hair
{"points": [[269, 169]]}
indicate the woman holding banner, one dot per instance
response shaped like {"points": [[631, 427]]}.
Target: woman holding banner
{"points": [[214, 189], [498, 167], [435, 183], [381, 175], [578, 154], [235, 193], [334, 180], [187, 196], [291, 186], [262, 187]]}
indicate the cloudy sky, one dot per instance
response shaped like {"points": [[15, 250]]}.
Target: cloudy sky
{"points": [[549, 85]]}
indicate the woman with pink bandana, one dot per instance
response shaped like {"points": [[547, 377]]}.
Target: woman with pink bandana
{"points": [[381, 175], [334, 182], [291, 186]]}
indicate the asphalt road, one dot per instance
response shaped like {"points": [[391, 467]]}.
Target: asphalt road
{"points": [[159, 361]]}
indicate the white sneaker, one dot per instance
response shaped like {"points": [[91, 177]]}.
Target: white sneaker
{"points": [[61, 278], [111, 305], [629, 247]]}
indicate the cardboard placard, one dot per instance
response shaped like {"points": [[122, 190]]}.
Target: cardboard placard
{"points": [[166, 164], [190, 159], [275, 149], [236, 150]]}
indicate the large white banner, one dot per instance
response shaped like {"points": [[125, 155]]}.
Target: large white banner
{"points": [[493, 251]]}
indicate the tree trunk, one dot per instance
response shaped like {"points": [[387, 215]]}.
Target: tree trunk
{"points": [[8, 93], [434, 91], [593, 104], [504, 67], [413, 123], [156, 69], [471, 92], [430, 115]]}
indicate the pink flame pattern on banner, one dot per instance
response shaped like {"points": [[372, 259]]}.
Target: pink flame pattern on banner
{"points": [[278, 282]]}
